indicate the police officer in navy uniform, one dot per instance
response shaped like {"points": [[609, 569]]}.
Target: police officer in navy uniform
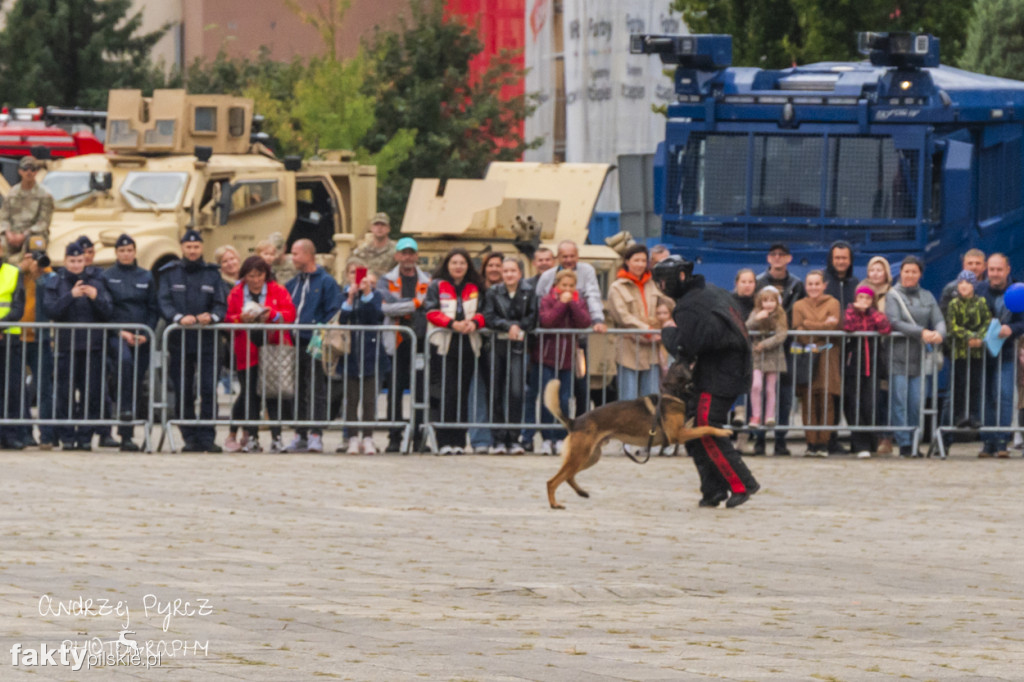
{"points": [[133, 291], [709, 333], [192, 294], [77, 295], [12, 307]]}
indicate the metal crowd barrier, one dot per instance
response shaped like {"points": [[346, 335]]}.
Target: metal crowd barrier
{"points": [[482, 384], [982, 400], [858, 388], [70, 394], [487, 388], [294, 378], [965, 400]]}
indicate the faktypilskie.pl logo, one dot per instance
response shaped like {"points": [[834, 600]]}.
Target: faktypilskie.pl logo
{"points": [[127, 649]]}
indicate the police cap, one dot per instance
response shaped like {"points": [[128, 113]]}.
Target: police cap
{"points": [[124, 240], [191, 236]]}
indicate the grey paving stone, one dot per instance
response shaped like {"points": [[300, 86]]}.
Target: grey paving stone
{"points": [[420, 567]]}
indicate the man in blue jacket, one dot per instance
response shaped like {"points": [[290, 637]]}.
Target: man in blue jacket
{"points": [[999, 371], [317, 299], [133, 291]]}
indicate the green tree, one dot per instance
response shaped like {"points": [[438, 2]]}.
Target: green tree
{"points": [[777, 33], [419, 80], [327, 20], [995, 38], [71, 52], [233, 75], [329, 110]]}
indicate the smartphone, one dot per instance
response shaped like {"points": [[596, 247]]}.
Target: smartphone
{"points": [[360, 274]]}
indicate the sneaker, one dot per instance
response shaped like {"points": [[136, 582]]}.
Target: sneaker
{"points": [[231, 444], [480, 449], [252, 446], [863, 454], [353, 446], [781, 450], [456, 450], [276, 444], [754, 421], [498, 449], [368, 447], [516, 449], [546, 448], [315, 444], [298, 444], [446, 450], [527, 446], [770, 422], [558, 447]]}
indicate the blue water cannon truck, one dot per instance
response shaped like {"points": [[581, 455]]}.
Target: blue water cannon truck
{"points": [[897, 155]]}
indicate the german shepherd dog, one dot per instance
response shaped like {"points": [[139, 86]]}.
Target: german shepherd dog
{"points": [[629, 421]]}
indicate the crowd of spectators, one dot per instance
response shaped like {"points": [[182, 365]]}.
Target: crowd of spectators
{"points": [[483, 329]]}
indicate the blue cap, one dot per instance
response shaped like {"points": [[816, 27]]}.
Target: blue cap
{"points": [[74, 249], [191, 236], [124, 240], [407, 243], [85, 242]]}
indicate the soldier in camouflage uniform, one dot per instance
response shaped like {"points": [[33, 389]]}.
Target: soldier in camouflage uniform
{"points": [[25, 213], [378, 251]]}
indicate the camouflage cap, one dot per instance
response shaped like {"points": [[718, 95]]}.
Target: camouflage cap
{"points": [[28, 163], [381, 218]]}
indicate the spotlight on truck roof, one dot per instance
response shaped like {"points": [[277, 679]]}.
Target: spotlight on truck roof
{"points": [[902, 50], [701, 52]]}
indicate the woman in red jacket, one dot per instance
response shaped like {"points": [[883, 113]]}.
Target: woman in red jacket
{"points": [[455, 306], [256, 299]]}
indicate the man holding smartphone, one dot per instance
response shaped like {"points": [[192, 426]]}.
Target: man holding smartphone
{"points": [[75, 295]]}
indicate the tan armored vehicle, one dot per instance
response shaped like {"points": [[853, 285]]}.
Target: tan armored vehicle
{"points": [[176, 161], [515, 208]]}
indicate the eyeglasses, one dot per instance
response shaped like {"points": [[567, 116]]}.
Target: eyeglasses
{"points": [[30, 169]]}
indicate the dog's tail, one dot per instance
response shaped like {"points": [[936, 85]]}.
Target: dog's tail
{"points": [[551, 402]]}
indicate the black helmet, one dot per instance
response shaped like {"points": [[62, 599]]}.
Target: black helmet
{"points": [[666, 275]]}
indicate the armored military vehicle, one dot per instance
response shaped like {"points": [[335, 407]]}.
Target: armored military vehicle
{"points": [[176, 161], [517, 207]]}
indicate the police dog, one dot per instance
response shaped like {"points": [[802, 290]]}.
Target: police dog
{"points": [[629, 421]]}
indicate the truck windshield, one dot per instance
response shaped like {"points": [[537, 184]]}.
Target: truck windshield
{"points": [[69, 188], [145, 191], [793, 176]]}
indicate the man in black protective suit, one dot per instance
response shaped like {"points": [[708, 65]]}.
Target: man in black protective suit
{"points": [[705, 330]]}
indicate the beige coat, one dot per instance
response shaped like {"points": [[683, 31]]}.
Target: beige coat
{"points": [[627, 311], [809, 315]]}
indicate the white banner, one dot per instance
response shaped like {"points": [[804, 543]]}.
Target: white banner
{"points": [[539, 56], [609, 92]]}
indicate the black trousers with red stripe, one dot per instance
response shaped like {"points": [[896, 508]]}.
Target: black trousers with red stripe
{"points": [[718, 462]]}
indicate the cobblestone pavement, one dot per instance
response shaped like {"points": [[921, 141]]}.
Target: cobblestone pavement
{"points": [[422, 567]]}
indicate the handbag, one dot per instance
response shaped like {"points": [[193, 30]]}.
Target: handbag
{"points": [[803, 366], [933, 357], [329, 345], [277, 371]]}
